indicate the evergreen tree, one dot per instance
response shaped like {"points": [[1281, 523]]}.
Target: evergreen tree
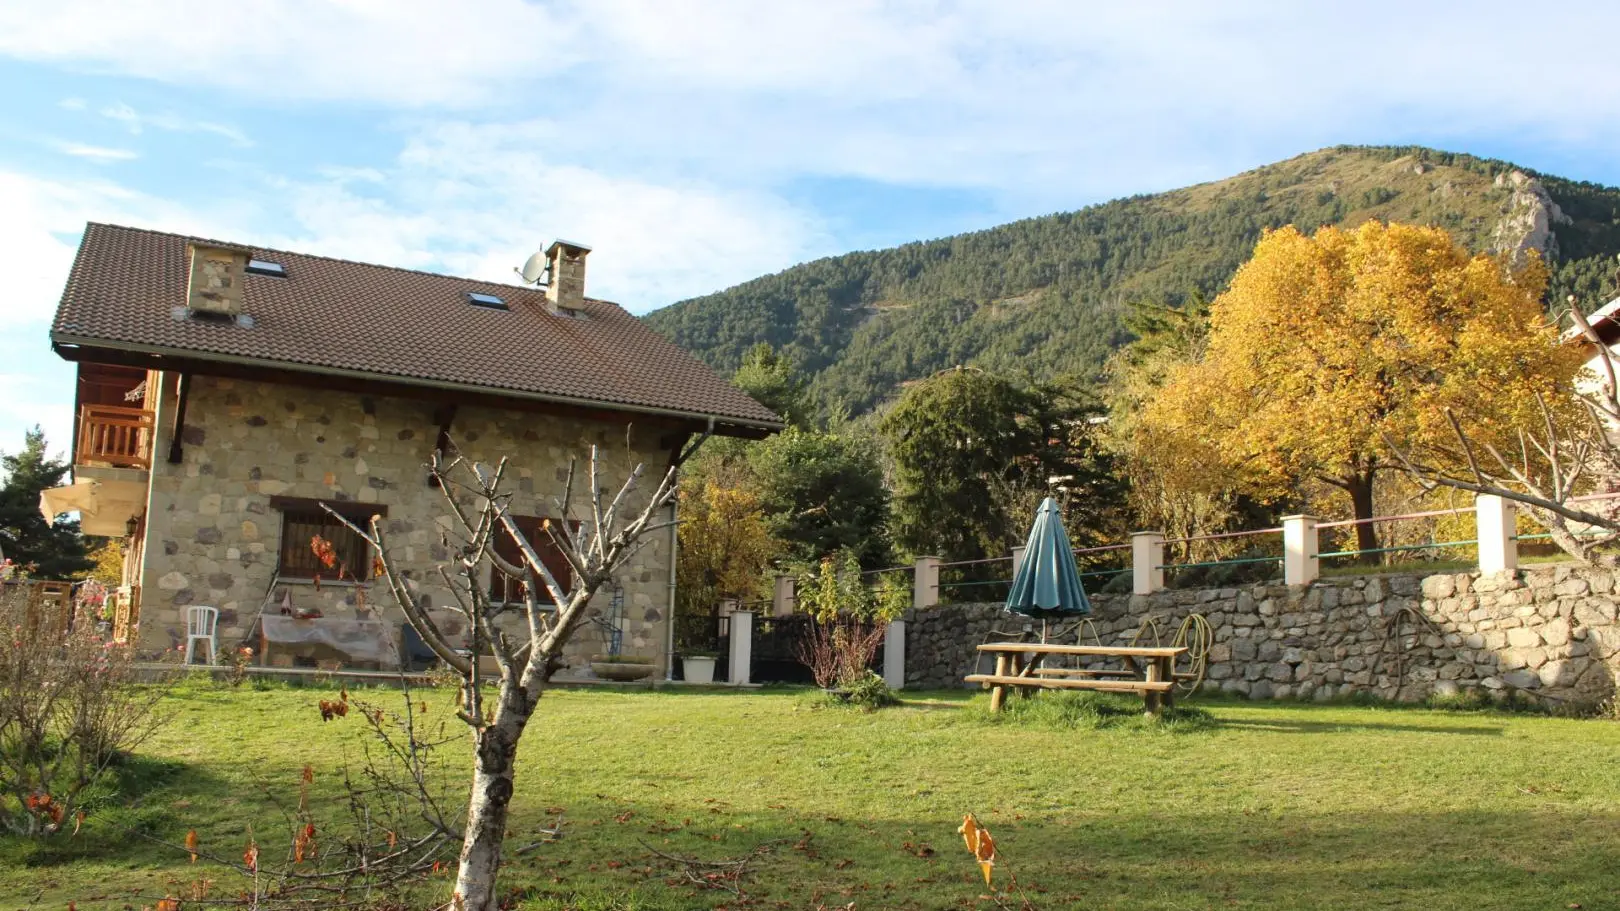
{"points": [[769, 379], [974, 452], [49, 550], [822, 493]]}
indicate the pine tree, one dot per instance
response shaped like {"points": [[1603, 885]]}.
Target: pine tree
{"points": [[49, 550]]}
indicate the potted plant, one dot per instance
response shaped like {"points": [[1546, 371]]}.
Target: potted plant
{"points": [[698, 666], [623, 667]]}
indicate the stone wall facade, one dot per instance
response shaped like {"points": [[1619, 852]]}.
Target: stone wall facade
{"points": [[213, 534], [1550, 632]]}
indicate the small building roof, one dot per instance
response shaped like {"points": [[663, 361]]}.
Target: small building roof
{"points": [[128, 292]]}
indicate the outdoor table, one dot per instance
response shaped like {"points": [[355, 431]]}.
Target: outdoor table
{"points": [[1149, 671], [359, 639]]}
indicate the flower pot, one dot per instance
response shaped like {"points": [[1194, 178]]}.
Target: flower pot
{"points": [[622, 670], [698, 668]]}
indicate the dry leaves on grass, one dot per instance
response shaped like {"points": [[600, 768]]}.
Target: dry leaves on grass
{"points": [[980, 844]]}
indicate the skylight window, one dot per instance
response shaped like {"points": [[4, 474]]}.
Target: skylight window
{"points": [[264, 267], [485, 300]]}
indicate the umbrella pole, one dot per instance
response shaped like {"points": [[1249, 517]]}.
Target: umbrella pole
{"points": [[1043, 631]]}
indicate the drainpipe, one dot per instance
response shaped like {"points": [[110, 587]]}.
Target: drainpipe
{"points": [[674, 543], [669, 614]]}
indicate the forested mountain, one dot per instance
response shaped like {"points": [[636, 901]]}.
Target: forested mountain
{"points": [[1046, 294]]}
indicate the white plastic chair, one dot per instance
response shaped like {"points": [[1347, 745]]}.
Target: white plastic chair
{"points": [[200, 627]]}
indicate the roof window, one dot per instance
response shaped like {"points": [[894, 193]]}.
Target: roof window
{"points": [[264, 267], [485, 300]]}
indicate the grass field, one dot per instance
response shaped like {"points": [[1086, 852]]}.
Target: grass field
{"points": [[1266, 806]]}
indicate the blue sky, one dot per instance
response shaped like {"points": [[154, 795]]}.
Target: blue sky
{"points": [[695, 145]]}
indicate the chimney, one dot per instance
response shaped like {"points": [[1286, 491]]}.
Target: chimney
{"points": [[215, 286], [566, 291]]}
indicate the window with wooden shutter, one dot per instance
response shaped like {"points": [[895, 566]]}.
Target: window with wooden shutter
{"points": [[303, 519], [504, 589]]}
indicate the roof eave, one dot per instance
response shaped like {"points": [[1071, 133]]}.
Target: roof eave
{"points": [[755, 428]]}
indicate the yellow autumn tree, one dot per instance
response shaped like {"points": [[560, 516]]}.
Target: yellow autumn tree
{"points": [[107, 563], [1327, 344], [725, 544]]}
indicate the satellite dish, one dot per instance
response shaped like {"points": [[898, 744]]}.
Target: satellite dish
{"points": [[535, 268]]}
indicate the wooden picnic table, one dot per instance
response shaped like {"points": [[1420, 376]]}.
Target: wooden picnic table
{"points": [[1146, 670]]}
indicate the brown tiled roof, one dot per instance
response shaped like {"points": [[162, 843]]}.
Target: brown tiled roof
{"points": [[396, 324]]}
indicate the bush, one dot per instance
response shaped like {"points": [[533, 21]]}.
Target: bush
{"points": [[869, 692], [848, 619], [69, 710]]}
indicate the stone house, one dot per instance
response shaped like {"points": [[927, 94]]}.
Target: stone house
{"points": [[225, 391]]}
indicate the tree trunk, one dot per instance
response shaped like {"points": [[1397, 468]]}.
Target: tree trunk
{"points": [[496, 756], [1360, 488]]}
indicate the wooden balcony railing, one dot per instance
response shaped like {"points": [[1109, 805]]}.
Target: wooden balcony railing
{"points": [[115, 436]]}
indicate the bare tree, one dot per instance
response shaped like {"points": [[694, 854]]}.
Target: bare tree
{"points": [[527, 648], [1556, 467]]}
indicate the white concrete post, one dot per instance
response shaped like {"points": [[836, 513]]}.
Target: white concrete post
{"points": [[1018, 557], [1147, 562], [1301, 545], [742, 647], [894, 655], [925, 583], [782, 597], [1496, 526]]}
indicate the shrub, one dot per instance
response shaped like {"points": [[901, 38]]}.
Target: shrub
{"points": [[848, 619], [870, 692], [69, 710]]}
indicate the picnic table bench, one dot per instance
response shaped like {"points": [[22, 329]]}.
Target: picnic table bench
{"points": [[1146, 670]]}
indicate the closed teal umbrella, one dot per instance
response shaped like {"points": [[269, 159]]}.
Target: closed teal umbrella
{"points": [[1047, 584]]}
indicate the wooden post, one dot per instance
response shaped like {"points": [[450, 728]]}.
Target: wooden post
{"points": [[1150, 697], [1167, 670], [998, 692]]}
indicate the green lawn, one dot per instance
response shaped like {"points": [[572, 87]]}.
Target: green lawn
{"points": [[1272, 806]]}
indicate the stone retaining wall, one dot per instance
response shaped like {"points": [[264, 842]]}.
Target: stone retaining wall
{"points": [[1547, 631]]}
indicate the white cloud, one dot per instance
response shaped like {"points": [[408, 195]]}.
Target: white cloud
{"points": [[136, 122], [1035, 100], [98, 154], [478, 199], [42, 398], [44, 218], [71, 104], [405, 52]]}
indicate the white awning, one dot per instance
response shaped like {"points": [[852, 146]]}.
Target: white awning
{"points": [[104, 507]]}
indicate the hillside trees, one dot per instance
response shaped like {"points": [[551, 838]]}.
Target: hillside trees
{"points": [[1047, 294], [1326, 345]]}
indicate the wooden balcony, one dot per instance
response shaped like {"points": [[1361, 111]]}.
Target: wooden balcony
{"points": [[114, 436]]}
